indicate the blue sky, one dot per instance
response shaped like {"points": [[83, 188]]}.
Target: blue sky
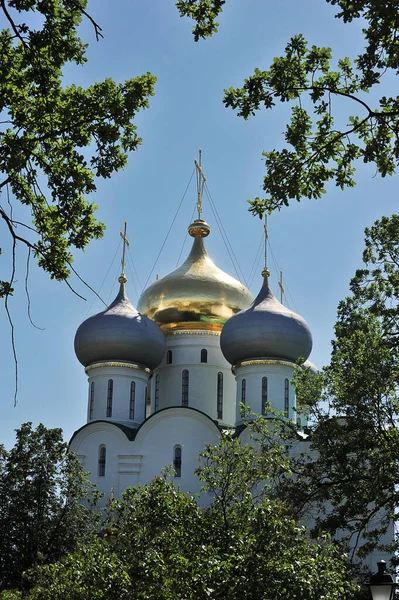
{"points": [[318, 244]]}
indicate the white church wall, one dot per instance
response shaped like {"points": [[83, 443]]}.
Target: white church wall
{"points": [[122, 463], [122, 375], [186, 349], [163, 432]]}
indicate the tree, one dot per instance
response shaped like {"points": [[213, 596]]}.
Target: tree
{"points": [[243, 545], [56, 139], [356, 406], [318, 149], [42, 516]]}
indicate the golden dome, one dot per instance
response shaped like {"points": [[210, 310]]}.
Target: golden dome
{"points": [[196, 295]]}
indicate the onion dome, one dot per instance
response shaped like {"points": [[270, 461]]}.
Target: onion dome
{"points": [[197, 295], [120, 333], [267, 329], [310, 366]]}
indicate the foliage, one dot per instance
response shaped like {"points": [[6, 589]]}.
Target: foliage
{"points": [[161, 544], [204, 13], [319, 149], [56, 139], [357, 437], [90, 573], [41, 512]]}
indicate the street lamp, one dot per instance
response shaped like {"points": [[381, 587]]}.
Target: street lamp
{"points": [[382, 586]]}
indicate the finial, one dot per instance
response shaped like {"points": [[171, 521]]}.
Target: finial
{"points": [[201, 179], [123, 278], [199, 229]]}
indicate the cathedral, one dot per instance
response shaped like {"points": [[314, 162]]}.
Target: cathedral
{"points": [[167, 378], [170, 377]]}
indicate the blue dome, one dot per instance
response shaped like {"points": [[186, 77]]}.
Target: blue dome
{"points": [[120, 333], [266, 329]]}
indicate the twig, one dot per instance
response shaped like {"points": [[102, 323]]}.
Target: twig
{"points": [[27, 291], [85, 283], [12, 324]]}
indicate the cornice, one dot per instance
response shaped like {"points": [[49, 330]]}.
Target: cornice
{"points": [[265, 361], [193, 332], [113, 364]]}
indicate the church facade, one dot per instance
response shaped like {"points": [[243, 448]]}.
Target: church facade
{"points": [[168, 378]]}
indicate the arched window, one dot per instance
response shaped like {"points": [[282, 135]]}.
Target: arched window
{"points": [[91, 402], [102, 457], [110, 394], [219, 402], [204, 355], [156, 393], [184, 388], [286, 397], [169, 357], [177, 461], [264, 395], [243, 391], [132, 403]]}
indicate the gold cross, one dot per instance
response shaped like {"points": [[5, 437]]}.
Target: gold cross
{"points": [[280, 284], [125, 243], [201, 179]]}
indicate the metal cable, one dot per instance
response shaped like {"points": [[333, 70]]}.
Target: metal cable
{"points": [[254, 268], [134, 267], [106, 275], [169, 230], [225, 237], [186, 236]]}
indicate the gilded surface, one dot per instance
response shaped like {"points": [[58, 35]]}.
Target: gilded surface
{"points": [[266, 361], [197, 295], [194, 332], [113, 364]]}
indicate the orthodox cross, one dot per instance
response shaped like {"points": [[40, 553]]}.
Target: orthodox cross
{"points": [[201, 179], [266, 240], [280, 284], [125, 243]]}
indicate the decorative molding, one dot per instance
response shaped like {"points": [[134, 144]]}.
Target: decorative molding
{"points": [[129, 464], [264, 361], [194, 332], [114, 364]]}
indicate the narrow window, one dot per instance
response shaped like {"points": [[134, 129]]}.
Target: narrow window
{"points": [[299, 423], [184, 388], [204, 355], [169, 357], [286, 397], [109, 397], [177, 461], [220, 396], [132, 403], [156, 393], [243, 390], [264, 395], [102, 455], [91, 405]]}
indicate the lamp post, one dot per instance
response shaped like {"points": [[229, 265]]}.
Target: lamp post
{"points": [[382, 586]]}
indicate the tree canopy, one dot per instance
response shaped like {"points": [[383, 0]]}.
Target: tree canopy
{"points": [[41, 512], [159, 543], [318, 148], [355, 406], [56, 139]]}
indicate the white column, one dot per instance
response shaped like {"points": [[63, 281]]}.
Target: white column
{"points": [[280, 395], [185, 348], [128, 391]]}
